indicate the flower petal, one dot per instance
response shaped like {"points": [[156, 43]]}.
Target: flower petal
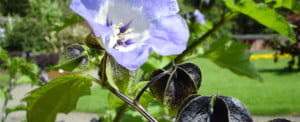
{"points": [[155, 9], [88, 10], [132, 59], [199, 17], [169, 35]]}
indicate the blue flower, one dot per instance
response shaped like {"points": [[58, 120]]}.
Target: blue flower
{"points": [[2, 33], [131, 29], [199, 17]]}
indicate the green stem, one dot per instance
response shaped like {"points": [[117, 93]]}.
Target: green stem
{"points": [[130, 102], [103, 82], [7, 96], [194, 45], [156, 78], [121, 112]]}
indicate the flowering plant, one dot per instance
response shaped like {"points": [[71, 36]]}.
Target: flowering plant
{"points": [[131, 29], [124, 34]]}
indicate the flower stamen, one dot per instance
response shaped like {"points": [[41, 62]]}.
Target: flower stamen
{"points": [[120, 36]]}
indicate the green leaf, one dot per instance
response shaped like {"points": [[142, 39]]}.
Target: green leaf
{"points": [[118, 76], [59, 95], [71, 64], [4, 56], [31, 71], [293, 5], [264, 15], [156, 62], [14, 67], [96, 102], [233, 55], [24, 79], [114, 101]]}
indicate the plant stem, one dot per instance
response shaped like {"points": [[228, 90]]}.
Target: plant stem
{"points": [[137, 98], [7, 96], [194, 45], [121, 112], [103, 82], [132, 103]]}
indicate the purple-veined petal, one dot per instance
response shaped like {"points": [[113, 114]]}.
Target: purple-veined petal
{"points": [[88, 10], [155, 9], [169, 35], [132, 59]]}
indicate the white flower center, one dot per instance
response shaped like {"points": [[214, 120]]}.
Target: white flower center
{"points": [[128, 23]]}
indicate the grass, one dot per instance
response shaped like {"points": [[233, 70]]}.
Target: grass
{"points": [[279, 93]]}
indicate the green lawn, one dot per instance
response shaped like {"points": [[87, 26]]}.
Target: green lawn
{"points": [[279, 93]]}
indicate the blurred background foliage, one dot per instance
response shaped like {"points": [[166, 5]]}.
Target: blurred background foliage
{"points": [[31, 26], [32, 23]]}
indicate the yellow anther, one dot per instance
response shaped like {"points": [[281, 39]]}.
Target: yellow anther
{"points": [[128, 31]]}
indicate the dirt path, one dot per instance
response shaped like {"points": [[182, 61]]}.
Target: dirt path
{"points": [[20, 91]]}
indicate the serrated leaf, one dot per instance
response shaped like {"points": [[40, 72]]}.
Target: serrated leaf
{"points": [[233, 56], [264, 15], [118, 76], [293, 5], [59, 95]]}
